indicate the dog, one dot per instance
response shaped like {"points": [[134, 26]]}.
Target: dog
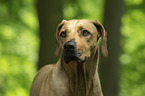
{"points": [[75, 73]]}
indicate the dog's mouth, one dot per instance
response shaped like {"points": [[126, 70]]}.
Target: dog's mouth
{"points": [[71, 53], [72, 56]]}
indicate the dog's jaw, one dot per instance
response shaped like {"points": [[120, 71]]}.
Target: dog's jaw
{"points": [[78, 72], [73, 57]]}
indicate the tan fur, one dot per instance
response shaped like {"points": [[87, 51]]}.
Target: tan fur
{"points": [[74, 78]]}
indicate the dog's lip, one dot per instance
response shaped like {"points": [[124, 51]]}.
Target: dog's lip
{"points": [[69, 57], [74, 57]]}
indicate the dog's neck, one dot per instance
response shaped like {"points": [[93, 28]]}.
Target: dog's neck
{"points": [[80, 75]]}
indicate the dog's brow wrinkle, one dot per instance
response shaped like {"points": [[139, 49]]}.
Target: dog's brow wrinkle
{"points": [[80, 28]]}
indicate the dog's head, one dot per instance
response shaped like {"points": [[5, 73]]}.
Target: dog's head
{"points": [[77, 39]]}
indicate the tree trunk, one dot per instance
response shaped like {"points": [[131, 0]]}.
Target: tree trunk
{"points": [[110, 66], [50, 15]]}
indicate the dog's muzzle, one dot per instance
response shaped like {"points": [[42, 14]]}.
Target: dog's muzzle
{"points": [[70, 53]]}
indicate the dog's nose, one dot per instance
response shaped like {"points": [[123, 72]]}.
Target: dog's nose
{"points": [[69, 46]]}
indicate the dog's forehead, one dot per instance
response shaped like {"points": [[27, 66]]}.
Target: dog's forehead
{"points": [[83, 23]]}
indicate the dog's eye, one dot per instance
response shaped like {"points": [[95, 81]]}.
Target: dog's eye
{"points": [[85, 33], [63, 34]]}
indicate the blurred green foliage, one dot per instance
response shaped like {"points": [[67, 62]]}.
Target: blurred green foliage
{"points": [[18, 46], [132, 81], [83, 9], [19, 43]]}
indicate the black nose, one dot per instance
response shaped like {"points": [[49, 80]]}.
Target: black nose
{"points": [[69, 46]]}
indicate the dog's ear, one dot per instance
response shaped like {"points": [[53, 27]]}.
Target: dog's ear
{"points": [[102, 33], [57, 50]]}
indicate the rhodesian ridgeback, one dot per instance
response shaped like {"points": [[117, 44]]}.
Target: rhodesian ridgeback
{"points": [[75, 73]]}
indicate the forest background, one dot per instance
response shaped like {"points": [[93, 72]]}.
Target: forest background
{"points": [[27, 41]]}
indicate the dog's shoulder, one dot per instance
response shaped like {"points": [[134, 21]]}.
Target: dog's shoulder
{"points": [[41, 78], [46, 68], [45, 71]]}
